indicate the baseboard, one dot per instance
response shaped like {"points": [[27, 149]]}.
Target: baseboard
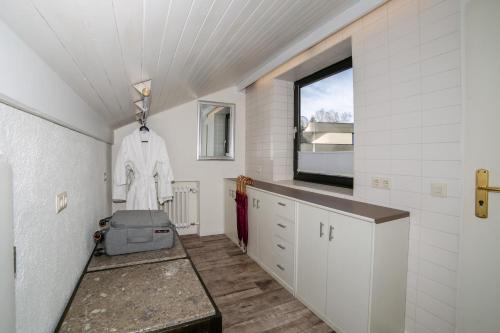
{"points": [[191, 230]]}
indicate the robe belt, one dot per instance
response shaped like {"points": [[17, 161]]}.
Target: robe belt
{"points": [[141, 177]]}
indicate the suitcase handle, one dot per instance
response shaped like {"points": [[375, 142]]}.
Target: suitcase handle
{"points": [[139, 239]]}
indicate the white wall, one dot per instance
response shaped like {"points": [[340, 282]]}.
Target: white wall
{"points": [[28, 83], [408, 114], [269, 134], [52, 249], [408, 127], [178, 127]]}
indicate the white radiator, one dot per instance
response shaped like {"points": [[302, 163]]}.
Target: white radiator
{"points": [[183, 208]]}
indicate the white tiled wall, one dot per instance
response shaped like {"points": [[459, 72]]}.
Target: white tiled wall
{"points": [[282, 130], [269, 130], [258, 130], [408, 120], [408, 114]]}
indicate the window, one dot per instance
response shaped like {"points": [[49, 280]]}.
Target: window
{"points": [[324, 121]]}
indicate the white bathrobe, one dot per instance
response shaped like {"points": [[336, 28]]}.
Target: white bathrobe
{"points": [[143, 176]]}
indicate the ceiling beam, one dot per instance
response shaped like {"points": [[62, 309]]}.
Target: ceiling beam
{"points": [[335, 24]]}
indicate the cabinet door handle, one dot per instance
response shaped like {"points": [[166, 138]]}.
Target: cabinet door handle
{"points": [[282, 204], [330, 235], [280, 267], [281, 225], [280, 246], [321, 233], [253, 202], [258, 203]]}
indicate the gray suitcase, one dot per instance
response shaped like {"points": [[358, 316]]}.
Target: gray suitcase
{"points": [[131, 231]]}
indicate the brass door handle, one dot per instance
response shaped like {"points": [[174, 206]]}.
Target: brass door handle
{"points": [[489, 188], [482, 189]]}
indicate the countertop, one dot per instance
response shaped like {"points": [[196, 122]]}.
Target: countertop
{"points": [[139, 298], [107, 262], [341, 192], [375, 213]]}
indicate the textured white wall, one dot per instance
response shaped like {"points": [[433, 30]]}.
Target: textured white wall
{"points": [[179, 128], [408, 114], [52, 248]]}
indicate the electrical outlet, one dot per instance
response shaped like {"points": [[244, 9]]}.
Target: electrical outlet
{"points": [[439, 190], [61, 201], [105, 176], [380, 182]]}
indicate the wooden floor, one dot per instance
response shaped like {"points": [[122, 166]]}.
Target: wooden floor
{"points": [[250, 299]]}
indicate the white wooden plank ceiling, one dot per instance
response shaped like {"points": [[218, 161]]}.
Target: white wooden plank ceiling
{"points": [[189, 48]]}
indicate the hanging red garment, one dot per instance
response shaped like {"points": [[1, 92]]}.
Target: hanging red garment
{"points": [[242, 210], [242, 218]]}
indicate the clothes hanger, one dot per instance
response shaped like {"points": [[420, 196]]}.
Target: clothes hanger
{"points": [[146, 93], [143, 123], [143, 129]]}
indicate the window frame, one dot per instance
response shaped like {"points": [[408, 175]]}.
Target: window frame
{"points": [[317, 76]]}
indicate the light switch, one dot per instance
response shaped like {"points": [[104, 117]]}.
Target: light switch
{"points": [[61, 201], [439, 190], [376, 182], [386, 183]]}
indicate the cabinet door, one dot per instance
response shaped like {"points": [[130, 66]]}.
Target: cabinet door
{"points": [[230, 228], [312, 249], [232, 215], [254, 212], [349, 273], [265, 230]]}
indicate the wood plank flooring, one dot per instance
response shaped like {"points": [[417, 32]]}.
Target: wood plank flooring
{"points": [[250, 299]]}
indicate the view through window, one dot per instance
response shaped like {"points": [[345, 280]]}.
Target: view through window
{"points": [[324, 115]]}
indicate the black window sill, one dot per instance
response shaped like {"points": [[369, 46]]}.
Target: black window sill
{"points": [[339, 181]]}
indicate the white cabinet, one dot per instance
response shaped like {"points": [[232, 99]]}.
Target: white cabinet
{"points": [[230, 227], [281, 222], [265, 232], [351, 272], [256, 213], [271, 236], [283, 264], [311, 257]]}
